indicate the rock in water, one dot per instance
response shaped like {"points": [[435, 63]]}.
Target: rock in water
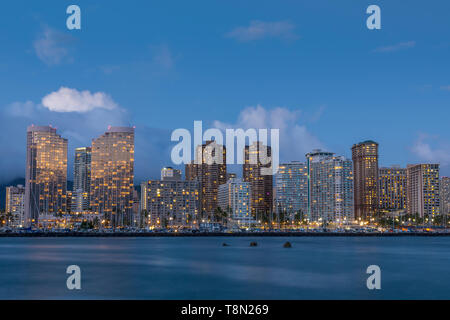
{"points": [[287, 245], [225, 244]]}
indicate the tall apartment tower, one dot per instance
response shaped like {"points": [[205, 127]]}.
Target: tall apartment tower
{"points": [[392, 189], [210, 170], [423, 189], [112, 174], [330, 187], [256, 158], [46, 173], [365, 170], [81, 179], [291, 188], [445, 195]]}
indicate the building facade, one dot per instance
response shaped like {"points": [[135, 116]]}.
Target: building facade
{"points": [[169, 173], [210, 170], [112, 175], [291, 188], [46, 173], [330, 187], [256, 159], [445, 195], [171, 203], [81, 180], [15, 204], [423, 190], [392, 189], [365, 171], [234, 198]]}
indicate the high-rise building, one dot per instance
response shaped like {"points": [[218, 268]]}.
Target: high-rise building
{"points": [[423, 189], [112, 174], [291, 188], [256, 163], [330, 187], [365, 170], [234, 198], [169, 173], [46, 173], [81, 179], [445, 195], [171, 203], [210, 170], [392, 189], [15, 204]]}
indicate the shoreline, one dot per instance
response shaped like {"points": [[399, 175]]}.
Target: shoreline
{"points": [[217, 234]]}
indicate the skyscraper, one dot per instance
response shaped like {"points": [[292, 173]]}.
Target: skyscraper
{"points": [[330, 187], [291, 186], [392, 189], [81, 179], [256, 158], [46, 173], [210, 170], [445, 195], [365, 170], [112, 174], [234, 198], [423, 189]]}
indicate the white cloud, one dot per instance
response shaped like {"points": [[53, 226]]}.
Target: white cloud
{"points": [[430, 149], [295, 138], [397, 47], [78, 127], [260, 29], [51, 46], [72, 100], [152, 145]]}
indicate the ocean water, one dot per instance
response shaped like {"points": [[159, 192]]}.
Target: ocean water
{"points": [[201, 268]]}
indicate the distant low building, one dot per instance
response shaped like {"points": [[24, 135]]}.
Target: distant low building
{"points": [[15, 205], [169, 173], [171, 203], [234, 198]]}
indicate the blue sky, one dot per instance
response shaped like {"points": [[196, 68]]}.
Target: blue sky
{"points": [[309, 67]]}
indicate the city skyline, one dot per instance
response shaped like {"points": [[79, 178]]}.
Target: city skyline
{"points": [[337, 188]]}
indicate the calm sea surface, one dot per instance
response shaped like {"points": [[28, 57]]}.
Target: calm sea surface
{"points": [[201, 268]]}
